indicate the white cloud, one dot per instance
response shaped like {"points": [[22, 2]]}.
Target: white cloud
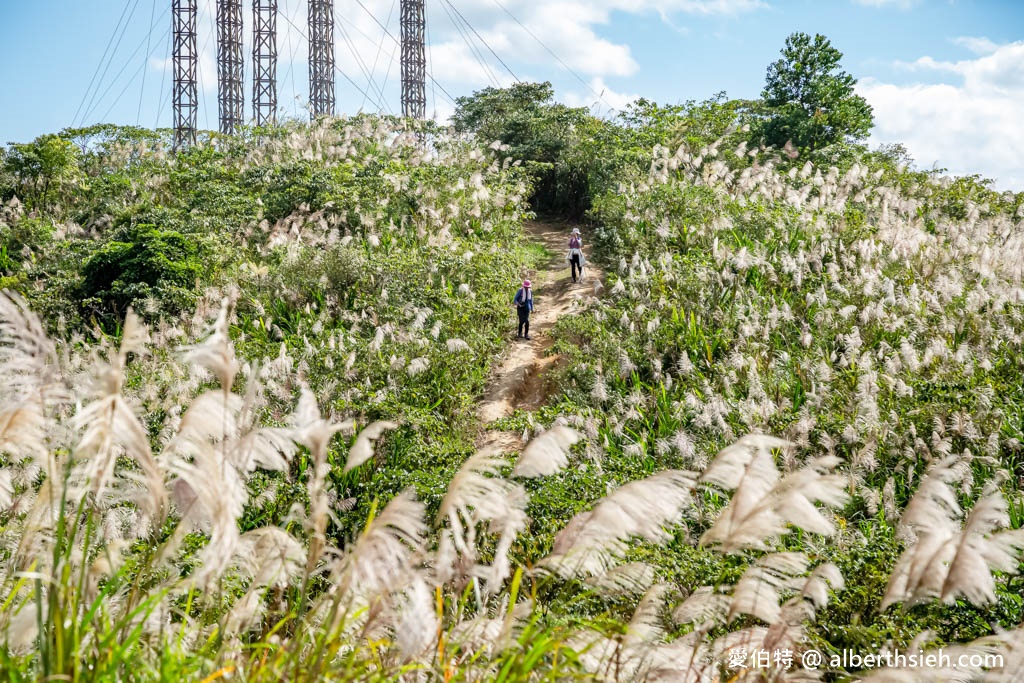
{"points": [[970, 126], [601, 99], [979, 46]]}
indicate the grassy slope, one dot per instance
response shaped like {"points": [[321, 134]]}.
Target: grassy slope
{"points": [[855, 312], [864, 315]]}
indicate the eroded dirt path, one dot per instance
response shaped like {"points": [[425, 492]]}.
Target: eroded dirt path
{"points": [[521, 378]]}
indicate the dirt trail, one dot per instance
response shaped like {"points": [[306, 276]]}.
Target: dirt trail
{"points": [[521, 378]]}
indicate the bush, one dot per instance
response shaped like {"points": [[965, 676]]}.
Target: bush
{"points": [[155, 268]]}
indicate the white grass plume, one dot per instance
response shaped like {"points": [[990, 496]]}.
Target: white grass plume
{"points": [[947, 562], [362, 449], [590, 541], [457, 345], [216, 353], [111, 429], [271, 557], [632, 578], [759, 591], [30, 381], [416, 628], [548, 453], [315, 433], [934, 502], [386, 550], [762, 506], [478, 495], [705, 605]]}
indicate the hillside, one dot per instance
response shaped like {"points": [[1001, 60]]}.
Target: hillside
{"points": [[263, 415]]}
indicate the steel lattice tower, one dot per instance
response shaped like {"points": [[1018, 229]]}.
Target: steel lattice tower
{"points": [[264, 61], [321, 58], [414, 60], [186, 97], [230, 73]]}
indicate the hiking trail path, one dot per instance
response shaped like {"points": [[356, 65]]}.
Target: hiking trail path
{"points": [[520, 376]]}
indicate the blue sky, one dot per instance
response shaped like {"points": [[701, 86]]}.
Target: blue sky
{"points": [[946, 77]]}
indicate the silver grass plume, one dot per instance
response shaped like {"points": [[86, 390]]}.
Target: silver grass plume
{"points": [[591, 540], [271, 557], [417, 626], [947, 562], [110, 428], [627, 579], [385, 552], [547, 453], [30, 383], [362, 449], [315, 433], [477, 495], [762, 506], [758, 592], [216, 353]]}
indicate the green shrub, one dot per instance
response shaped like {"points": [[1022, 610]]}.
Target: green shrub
{"points": [[152, 267]]}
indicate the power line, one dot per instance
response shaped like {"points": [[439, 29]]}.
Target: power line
{"points": [[489, 49], [142, 70], [99, 66], [371, 84], [395, 40], [142, 90], [430, 60], [210, 11], [161, 100], [336, 68], [97, 101], [292, 47], [472, 48], [107, 59], [380, 48], [551, 52]]}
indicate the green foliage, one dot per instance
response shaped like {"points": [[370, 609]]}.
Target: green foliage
{"points": [[46, 164], [809, 99], [740, 296], [145, 267], [536, 130]]}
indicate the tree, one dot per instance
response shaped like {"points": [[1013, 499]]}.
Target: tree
{"points": [[538, 131], [810, 99], [48, 161], [524, 116]]}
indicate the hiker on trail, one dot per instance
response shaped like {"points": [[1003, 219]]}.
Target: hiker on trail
{"points": [[575, 257], [524, 305]]}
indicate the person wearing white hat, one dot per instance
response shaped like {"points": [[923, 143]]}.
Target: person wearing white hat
{"points": [[523, 302], [575, 257]]}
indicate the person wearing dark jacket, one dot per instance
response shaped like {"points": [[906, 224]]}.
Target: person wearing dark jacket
{"points": [[523, 302]]}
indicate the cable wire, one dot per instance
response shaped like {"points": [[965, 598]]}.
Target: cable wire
{"points": [[371, 84], [102, 98], [390, 35], [551, 52], [336, 67], [117, 100], [149, 35], [103, 59], [481, 39], [472, 48], [380, 48]]}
